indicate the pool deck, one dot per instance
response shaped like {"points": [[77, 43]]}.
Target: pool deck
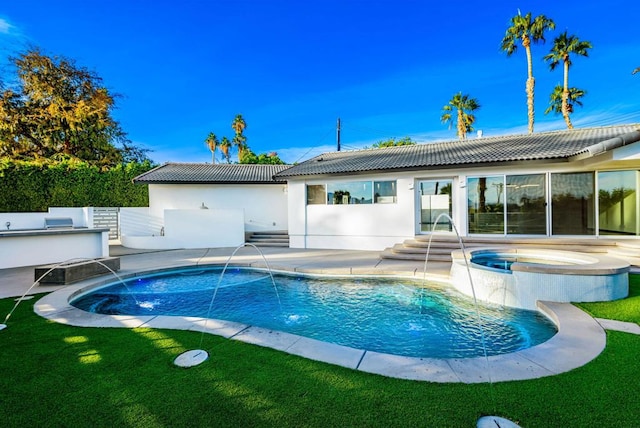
{"points": [[580, 338]]}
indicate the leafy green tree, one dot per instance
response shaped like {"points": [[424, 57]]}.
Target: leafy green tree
{"points": [[60, 110], [212, 142], [526, 30], [464, 107], [564, 46], [555, 100], [263, 158], [392, 142]]}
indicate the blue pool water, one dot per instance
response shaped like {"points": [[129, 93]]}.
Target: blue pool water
{"points": [[504, 262], [392, 316]]}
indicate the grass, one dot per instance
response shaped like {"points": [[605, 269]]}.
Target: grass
{"points": [[622, 310], [60, 376]]}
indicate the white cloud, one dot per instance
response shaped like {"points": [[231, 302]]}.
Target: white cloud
{"points": [[5, 26]]}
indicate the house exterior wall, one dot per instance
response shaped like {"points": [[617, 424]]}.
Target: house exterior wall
{"points": [[264, 205], [377, 226], [358, 227]]}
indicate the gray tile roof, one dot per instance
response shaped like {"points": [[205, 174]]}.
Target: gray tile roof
{"points": [[203, 173], [557, 145]]}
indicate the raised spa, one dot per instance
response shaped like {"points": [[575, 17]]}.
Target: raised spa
{"points": [[520, 277], [392, 316]]}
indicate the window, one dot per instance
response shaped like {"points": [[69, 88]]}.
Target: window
{"points": [[352, 193], [349, 193], [526, 206], [485, 204], [384, 192], [572, 204], [617, 203], [316, 194]]}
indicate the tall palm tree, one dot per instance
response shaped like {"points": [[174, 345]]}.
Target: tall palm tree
{"points": [[239, 140], [225, 148], [464, 107], [555, 101], [238, 125], [526, 29], [212, 142], [563, 47]]}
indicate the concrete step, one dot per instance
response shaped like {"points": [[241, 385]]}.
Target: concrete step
{"points": [[441, 246], [389, 254], [631, 245], [269, 239], [271, 244]]}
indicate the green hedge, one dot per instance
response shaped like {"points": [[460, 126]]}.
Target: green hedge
{"points": [[36, 186]]}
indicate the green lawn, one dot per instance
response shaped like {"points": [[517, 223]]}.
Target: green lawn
{"points": [[622, 310], [59, 376]]}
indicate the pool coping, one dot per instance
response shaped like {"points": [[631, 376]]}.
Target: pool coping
{"points": [[579, 340]]}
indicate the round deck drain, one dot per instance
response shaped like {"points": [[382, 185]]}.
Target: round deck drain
{"points": [[495, 422], [191, 358]]}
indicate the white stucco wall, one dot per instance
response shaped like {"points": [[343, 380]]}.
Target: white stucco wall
{"points": [[264, 205], [29, 248], [81, 217], [359, 227], [182, 228]]}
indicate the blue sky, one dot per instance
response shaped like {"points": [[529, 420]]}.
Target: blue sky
{"points": [[291, 68]]}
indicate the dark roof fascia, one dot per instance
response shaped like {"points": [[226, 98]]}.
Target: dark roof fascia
{"points": [[226, 183]]}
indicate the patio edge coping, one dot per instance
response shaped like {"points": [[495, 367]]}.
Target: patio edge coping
{"points": [[580, 339]]}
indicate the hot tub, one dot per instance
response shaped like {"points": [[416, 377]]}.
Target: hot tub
{"points": [[520, 277]]}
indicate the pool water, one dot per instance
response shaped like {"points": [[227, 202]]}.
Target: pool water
{"points": [[504, 262], [392, 316]]}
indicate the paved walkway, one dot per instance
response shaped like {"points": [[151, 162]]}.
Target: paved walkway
{"points": [[580, 338]]}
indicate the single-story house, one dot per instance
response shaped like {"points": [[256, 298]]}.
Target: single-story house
{"points": [[572, 183]]}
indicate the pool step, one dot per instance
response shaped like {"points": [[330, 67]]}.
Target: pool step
{"points": [[627, 250], [268, 239], [442, 246]]}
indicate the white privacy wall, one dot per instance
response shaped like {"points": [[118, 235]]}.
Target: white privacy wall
{"points": [[356, 227], [181, 228], [264, 205]]}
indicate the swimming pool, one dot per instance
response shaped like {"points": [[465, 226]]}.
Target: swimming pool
{"points": [[393, 316]]}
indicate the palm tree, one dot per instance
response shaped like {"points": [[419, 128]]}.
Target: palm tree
{"points": [[563, 47], [225, 148], [213, 143], [526, 30], [464, 107], [239, 140], [555, 101], [238, 124]]}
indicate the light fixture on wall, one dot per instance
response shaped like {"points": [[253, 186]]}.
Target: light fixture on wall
{"points": [[204, 207]]}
